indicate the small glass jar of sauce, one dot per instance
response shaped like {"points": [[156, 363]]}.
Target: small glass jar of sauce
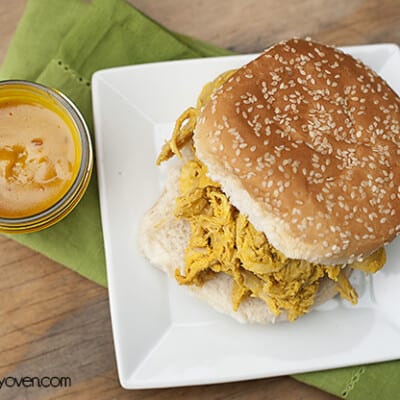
{"points": [[46, 156]]}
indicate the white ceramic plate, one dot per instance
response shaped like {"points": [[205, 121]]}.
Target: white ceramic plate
{"points": [[164, 336]]}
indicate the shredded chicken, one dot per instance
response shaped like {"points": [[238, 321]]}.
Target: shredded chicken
{"points": [[224, 241]]}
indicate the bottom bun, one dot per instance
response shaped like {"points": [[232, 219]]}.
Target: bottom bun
{"points": [[163, 239]]}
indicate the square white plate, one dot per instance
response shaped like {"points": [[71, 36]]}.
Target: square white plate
{"points": [[164, 336]]}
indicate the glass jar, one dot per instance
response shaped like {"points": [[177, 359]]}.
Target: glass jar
{"points": [[46, 156]]}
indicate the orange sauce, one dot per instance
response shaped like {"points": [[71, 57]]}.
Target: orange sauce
{"points": [[39, 152]]}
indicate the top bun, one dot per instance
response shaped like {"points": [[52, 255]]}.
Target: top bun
{"points": [[305, 140]]}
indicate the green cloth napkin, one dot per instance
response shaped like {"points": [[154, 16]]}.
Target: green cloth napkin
{"points": [[61, 44]]}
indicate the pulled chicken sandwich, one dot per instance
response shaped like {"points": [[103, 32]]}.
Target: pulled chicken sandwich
{"points": [[287, 180]]}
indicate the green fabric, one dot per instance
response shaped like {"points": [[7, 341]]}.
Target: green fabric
{"points": [[369, 382], [60, 44]]}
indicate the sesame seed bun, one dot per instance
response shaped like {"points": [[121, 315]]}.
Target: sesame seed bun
{"points": [[305, 140]]}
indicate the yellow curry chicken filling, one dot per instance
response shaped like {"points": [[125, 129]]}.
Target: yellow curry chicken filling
{"points": [[224, 241]]}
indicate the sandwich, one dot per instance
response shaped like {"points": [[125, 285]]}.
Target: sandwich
{"points": [[284, 180]]}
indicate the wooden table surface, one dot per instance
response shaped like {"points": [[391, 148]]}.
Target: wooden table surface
{"points": [[56, 323]]}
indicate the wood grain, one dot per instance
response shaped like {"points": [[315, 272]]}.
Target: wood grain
{"points": [[55, 322], [252, 25]]}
